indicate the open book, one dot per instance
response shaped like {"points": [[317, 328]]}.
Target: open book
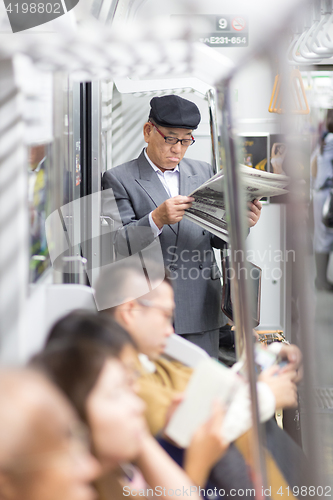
{"points": [[208, 207], [210, 381], [213, 381]]}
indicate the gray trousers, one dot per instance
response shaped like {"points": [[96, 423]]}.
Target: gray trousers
{"points": [[208, 341]]}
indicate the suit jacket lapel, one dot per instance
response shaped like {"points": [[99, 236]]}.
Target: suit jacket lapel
{"points": [[150, 183], [188, 181]]}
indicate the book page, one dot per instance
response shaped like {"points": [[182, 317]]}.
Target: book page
{"points": [[210, 381]]}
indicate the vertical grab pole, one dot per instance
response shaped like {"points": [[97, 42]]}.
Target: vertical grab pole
{"points": [[211, 98], [241, 298]]}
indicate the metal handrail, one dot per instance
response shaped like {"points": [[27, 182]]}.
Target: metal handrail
{"points": [[109, 221], [237, 236], [112, 11], [96, 8], [211, 98], [237, 233], [82, 261]]}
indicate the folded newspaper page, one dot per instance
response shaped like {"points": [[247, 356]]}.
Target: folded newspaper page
{"points": [[208, 207]]}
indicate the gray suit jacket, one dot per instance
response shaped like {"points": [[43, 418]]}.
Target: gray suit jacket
{"points": [[187, 248]]}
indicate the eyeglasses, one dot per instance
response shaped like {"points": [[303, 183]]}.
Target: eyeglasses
{"points": [[174, 140], [167, 312]]}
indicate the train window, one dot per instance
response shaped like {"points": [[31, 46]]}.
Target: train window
{"points": [[39, 202]]}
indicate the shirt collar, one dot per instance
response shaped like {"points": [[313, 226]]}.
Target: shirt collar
{"points": [[146, 363], [176, 169]]}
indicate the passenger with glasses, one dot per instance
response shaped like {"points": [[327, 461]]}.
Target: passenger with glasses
{"points": [[163, 381], [93, 360], [152, 194]]}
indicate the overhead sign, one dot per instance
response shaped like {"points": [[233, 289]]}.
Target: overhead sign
{"points": [[225, 30], [238, 23]]}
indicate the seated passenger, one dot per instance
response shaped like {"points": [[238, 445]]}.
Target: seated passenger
{"points": [[148, 319], [81, 357], [42, 454]]}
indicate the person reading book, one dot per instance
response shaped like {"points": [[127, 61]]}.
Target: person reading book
{"points": [[88, 358], [149, 320], [151, 194]]}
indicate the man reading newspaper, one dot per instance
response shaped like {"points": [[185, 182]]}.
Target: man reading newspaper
{"points": [[151, 194]]}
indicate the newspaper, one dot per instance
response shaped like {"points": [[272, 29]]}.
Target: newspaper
{"points": [[208, 207]]}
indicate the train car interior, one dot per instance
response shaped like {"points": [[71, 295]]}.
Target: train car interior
{"points": [[75, 92]]}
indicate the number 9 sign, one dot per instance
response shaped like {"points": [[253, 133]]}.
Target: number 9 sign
{"points": [[223, 23]]}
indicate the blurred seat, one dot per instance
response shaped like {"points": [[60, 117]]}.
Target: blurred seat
{"points": [[48, 303], [62, 299]]}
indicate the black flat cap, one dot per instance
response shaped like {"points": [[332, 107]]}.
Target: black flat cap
{"points": [[174, 111]]}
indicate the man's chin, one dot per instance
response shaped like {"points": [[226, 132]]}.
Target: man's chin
{"points": [[162, 349], [170, 165], [157, 353]]}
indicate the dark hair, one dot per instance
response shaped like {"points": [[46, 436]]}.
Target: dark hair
{"points": [[117, 283], [76, 351], [329, 120], [329, 127], [83, 325]]}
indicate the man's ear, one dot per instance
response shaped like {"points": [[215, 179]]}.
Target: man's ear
{"points": [[8, 491], [124, 312], [147, 131]]}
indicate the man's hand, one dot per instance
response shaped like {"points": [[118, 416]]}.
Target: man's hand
{"points": [[171, 211], [282, 385], [254, 212], [292, 354]]}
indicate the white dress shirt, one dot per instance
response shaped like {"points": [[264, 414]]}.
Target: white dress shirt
{"points": [[170, 182]]}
